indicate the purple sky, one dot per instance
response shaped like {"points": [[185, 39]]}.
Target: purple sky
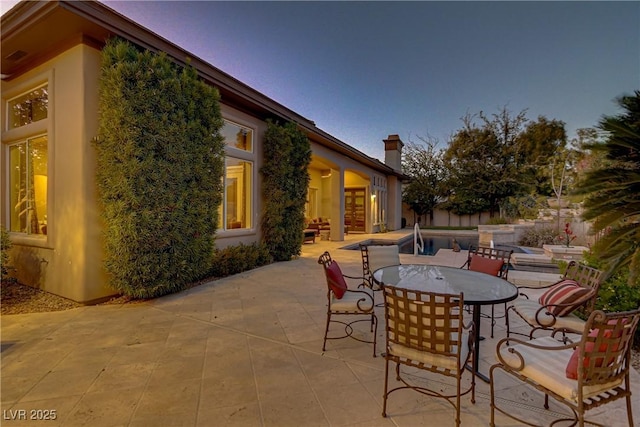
{"points": [[363, 70]]}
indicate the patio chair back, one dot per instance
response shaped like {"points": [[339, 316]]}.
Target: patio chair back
{"points": [[587, 277], [602, 353], [491, 261], [375, 257], [503, 255], [424, 321]]}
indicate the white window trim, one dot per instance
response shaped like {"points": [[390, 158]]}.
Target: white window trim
{"points": [[22, 133], [8, 100], [238, 151], [247, 156]]}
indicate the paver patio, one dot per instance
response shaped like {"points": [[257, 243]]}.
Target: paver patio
{"points": [[239, 351]]}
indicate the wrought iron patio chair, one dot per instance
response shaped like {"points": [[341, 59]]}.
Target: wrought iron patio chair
{"points": [[557, 308], [426, 330], [358, 303], [581, 375], [491, 261], [375, 257]]}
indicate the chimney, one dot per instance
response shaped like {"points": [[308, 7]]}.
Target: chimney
{"points": [[393, 152]]}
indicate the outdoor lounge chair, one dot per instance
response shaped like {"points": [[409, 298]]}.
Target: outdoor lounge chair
{"points": [[556, 308], [426, 330], [491, 261], [581, 375], [357, 303]]}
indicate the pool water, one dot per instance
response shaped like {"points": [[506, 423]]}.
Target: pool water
{"points": [[433, 244]]}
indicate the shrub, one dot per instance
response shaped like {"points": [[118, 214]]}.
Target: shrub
{"points": [[239, 258], [287, 154], [160, 159], [616, 294], [536, 237], [496, 220], [6, 244]]}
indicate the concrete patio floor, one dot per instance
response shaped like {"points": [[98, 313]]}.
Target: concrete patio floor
{"points": [[240, 351]]}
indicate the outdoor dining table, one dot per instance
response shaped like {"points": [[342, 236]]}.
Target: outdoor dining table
{"points": [[478, 288]]}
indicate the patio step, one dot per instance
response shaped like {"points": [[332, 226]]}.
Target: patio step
{"points": [[532, 278], [530, 259]]}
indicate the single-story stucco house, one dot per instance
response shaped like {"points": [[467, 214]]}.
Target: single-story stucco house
{"points": [[50, 79]]}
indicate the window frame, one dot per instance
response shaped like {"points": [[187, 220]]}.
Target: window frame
{"points": [[240, 125], [10, 137], [28, 146], [249, 156], [8, 109], [223, 212], [379, 200]]}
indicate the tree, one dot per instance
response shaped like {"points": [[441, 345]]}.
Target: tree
{"points": [[612, 189], [424, 164], [541, 142], [483, 160], [495, 160]]}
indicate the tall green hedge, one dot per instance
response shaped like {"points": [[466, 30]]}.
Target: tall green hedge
{"points": [[160, 160], [5, 246], [285, 181]]}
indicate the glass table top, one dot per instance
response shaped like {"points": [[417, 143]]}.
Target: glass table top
{"points": [[478, 288]]}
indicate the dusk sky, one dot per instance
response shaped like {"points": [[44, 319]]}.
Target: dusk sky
{"points": [[364, 70]]}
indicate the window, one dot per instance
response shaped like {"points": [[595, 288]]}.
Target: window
{"points": [[28, 108], [237, 136], [236, 211], [236, 208], [28, 175], [379, 201]]}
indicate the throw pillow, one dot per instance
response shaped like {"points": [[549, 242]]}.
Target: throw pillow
{"points": [[486, 265], [565, 292], [571, 371], [336, 280]]}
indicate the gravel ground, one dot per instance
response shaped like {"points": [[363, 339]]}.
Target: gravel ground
{"points": [[20, 299]]}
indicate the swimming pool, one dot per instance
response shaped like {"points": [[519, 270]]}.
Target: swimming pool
{"points": [[432, 244]]}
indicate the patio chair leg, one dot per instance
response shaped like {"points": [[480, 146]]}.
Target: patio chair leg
{"points": [[458, 405], [492, 404], [546, 401], [386, 385], [374, 321], [629, 411], [326, 332]]}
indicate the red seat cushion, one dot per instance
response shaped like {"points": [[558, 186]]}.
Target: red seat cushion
{"points": [[486, 265], [336, 280], [565, 292], [571, 371]]}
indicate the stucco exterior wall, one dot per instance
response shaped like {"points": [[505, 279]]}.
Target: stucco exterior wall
{"points": [[68, 260]]}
